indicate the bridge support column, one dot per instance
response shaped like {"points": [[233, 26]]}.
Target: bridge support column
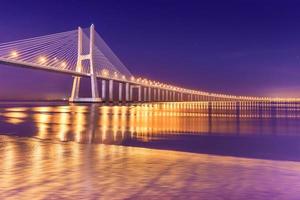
{"points": [[149, 93], [145, 94], [75, 88], [120, 92], [103, 91], [167, 95], [173, 96], [154, 94], [94, 84], [127, 92], [140, 94], [131, 93], [80, 58], [158, 94], [111, 90]]}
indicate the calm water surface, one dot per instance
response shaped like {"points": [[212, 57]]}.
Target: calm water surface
{"points": [[200, 150]]}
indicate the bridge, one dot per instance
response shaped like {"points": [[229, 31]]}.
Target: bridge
{"points": [[83, 53]]}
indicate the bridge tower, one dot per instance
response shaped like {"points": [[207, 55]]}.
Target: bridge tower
{"points": [[80, 58]]}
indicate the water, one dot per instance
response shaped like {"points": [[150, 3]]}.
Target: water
{"points": [[223, 150]]}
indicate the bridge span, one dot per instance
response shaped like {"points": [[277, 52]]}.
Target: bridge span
{"points": [[83, 53]]}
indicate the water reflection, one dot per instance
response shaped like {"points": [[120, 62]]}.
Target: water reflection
{"points": [[35, 169], [193, 126], [47, 161]]}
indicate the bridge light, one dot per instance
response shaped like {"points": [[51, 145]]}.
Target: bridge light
{"points": [[42, 59], [123, 77], [63, 64], [14, 54], [105, 72], [132, 78], [115, 74]]}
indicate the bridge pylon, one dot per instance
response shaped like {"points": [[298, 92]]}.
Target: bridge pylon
{"points": [[80, 58]]}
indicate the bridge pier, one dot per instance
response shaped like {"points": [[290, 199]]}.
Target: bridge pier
{"points": [[93, 76], [120, 92], [103, 84], [167, 95], [149, 94], [127, 92], [140, 93], [158, 94], [145, 94], [75, 88], [111, 90]]}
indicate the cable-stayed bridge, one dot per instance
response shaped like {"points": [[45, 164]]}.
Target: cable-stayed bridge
{"points": [[83, 53]]}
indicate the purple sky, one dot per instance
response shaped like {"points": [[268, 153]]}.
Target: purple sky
{"points": [[239, 47]]}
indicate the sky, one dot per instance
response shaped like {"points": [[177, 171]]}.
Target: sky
{"points": [[235, 47]]}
